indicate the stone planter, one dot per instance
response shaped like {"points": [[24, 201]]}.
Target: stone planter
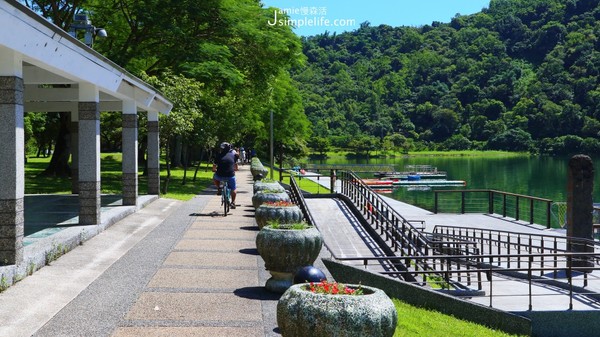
{"points": [[256, 168], [261, 185], [301, 312], [282, 214], [285, 251], [261, 197]]}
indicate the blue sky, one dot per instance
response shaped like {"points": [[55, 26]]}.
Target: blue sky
{"points": [[347, 15]]}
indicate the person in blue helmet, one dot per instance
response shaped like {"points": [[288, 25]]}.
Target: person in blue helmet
{"points": [[224, 168]]}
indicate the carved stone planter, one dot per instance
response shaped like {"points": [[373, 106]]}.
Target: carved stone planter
{"points": [[273, 212], [261, 197], [256, 168], [301, 312], [285, 251], [261, 185]]}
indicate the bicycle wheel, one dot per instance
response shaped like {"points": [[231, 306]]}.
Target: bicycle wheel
{"points": [[225, 199]]}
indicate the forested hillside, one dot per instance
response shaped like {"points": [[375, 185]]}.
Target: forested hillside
{"points": [[521, 75]]}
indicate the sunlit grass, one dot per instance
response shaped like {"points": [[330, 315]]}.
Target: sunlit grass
{"points": [[110, 176], [469, 153], [342, 154], [415, 322]]}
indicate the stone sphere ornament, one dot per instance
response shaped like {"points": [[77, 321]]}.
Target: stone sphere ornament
{"points": [[309, 274]]}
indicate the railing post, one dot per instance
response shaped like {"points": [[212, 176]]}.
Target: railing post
{"points": [[548, 212], [491, 202], [332, 182], [529, 277], [531, 211], [435, 202], [570, 271], [462, 202], [490, 278], [517, 208]]}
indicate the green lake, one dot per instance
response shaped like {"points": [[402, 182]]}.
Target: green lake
{"points": [[543, 177]]}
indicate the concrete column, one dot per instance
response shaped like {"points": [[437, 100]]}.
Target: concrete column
{"points": [[75, 151], [130, 153], [580, 185], [153, 154], [89, 155], [12, 157]]}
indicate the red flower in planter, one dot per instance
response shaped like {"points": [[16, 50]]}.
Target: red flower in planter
{"points": [[279, 203], [333, 288]]}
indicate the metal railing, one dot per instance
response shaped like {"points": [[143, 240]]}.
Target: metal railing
{"points": [[459, 269], [506, 203], [401, 235], [460, 260], [517, 244], [298, 198]]}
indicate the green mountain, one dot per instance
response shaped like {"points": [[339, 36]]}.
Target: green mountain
{"points": [[521, 75]]}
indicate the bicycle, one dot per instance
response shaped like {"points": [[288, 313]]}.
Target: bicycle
{"points": [[225, 197]]}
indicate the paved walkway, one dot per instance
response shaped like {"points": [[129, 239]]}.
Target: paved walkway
{"points": [[171, 269]]}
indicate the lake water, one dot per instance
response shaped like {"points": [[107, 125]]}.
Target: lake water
{"points": [[543, 177]]}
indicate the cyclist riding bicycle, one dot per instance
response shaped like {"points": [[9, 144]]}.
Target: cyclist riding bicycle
{"points": [[224, 167]]}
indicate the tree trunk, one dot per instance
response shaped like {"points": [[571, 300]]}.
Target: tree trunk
{"points": [[185, 164], [143, 148], [177, 152], [59, 163], [199, 163]]}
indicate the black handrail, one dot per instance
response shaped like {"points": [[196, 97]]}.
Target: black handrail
{"points": [[453, 267], [499, 241], [504, 195], [454, 257], [298, 198], [403, 236]]}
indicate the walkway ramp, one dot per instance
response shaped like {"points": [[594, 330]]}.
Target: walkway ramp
{"points": [[341, 230], [345, 238]]}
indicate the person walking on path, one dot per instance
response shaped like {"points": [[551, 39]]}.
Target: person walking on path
{"points": [[224, 168]]}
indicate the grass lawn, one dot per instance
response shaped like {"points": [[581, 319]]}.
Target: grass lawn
{"points": [[111, 173], [343, 153], [415, 322]]}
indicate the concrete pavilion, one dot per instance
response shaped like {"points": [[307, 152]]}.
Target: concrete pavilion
{"points": [[44, 69]]}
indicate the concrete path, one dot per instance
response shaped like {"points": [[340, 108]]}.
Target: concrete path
{"points": [[171, 269]]}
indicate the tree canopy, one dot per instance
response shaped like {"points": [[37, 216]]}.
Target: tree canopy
{"points": [[219, 61], [519, 75]]}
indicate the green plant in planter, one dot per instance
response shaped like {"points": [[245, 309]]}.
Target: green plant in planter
{"points": [[280, 211], [296, 226], [256, 168], [269, 195], [285, 248], [267, 184], [329, 309]]}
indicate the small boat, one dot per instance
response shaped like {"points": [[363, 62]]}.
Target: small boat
{"points": [[378, 183], [424, 171], [418, 188], [430, 182]]}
